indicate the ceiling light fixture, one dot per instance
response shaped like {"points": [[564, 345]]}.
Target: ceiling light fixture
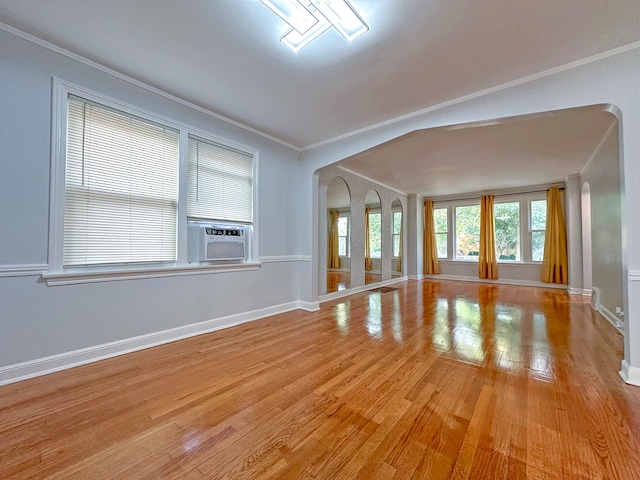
{"points": [[310, 18]]}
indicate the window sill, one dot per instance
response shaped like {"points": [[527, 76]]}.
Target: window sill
{"points": [[93, 276]]}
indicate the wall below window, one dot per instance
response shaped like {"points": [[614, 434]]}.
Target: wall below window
{"points": [[513, 273], [70, 323]]}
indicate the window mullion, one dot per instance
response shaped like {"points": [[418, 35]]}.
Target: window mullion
{"points": [[182, 242]]}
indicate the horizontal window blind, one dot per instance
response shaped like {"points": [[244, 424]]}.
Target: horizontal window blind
{"points": [[220, 182], [121, 189]]}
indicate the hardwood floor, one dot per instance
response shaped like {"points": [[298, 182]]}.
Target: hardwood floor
{"points": [[337, 281], [432, 380]]}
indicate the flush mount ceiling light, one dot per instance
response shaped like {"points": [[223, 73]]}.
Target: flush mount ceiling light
{"points": [[310, 18]]}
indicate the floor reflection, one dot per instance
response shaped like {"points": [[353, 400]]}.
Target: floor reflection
{"points": [[337, 281], [342, 316], [374, 316], [467, 334], [541, 363], [502, 327]]}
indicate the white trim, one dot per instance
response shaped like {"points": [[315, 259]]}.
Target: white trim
{"points": [[96, 276], [482, 93], [587, 292], [352, 172], [63, 361], [23, 270], [634, 276], [522, 283], [614, 125], [612, 318], [575, 290], [350, 291], [137, 83], [629, 374], [61, 89], [286, 258], [308, 306]]}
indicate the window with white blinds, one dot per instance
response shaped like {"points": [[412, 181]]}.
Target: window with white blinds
{"points": [[220, 182], [121, 190]]}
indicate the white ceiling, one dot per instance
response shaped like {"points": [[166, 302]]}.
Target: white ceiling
{"points": [[502, 154], [224, 55]]}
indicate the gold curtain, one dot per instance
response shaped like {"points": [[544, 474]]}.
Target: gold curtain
{"points": [[555, 266], [334, 257], [487, 263], [429, 246], [368, 264], [399, 264]]}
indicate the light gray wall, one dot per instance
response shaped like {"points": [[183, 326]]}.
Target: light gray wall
{"points": [[602, 173], [37, 320]]}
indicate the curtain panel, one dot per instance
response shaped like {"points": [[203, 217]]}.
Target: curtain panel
{"points": [[334, 256], [430, 248], [555, 266], [487, 262]]}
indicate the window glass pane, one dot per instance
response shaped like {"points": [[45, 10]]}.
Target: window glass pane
{"points": [[342, 246], [537, 245], [220, 182], [441, 226], [397, 222], [467, 232], [343, 236], [121, 188], [343, 226], [396, 245], [507, 230], [374, 234], [538, 214], [441, 244], [440, 219]]}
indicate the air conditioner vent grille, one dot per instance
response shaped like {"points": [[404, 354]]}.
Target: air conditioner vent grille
{"points": [[225, 250]]}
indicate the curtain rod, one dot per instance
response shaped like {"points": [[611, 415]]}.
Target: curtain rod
{"points": [[457, 199]]}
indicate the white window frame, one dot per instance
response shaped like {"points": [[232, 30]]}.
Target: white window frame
{"points": [[524, 199], [529, 230], [57, 275], [347, 215], [395, 210], [376, 211], [448, 208]]}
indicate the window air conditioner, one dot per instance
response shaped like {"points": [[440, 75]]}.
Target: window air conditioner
{"points": [[222, 242]]}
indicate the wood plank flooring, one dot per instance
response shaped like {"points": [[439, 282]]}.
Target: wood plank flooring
{"points": [[434, 380]]}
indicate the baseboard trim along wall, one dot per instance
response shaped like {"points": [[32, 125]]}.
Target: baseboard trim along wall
{"points": [[629, 374], [54, 363], [363, 288], [612, 318]]}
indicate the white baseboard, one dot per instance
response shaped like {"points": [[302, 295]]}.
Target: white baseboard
{"points": [[308, 306], [63, 361], [612, 318], [575, 290], [629, 374], [350, 291], [587, 292]]}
